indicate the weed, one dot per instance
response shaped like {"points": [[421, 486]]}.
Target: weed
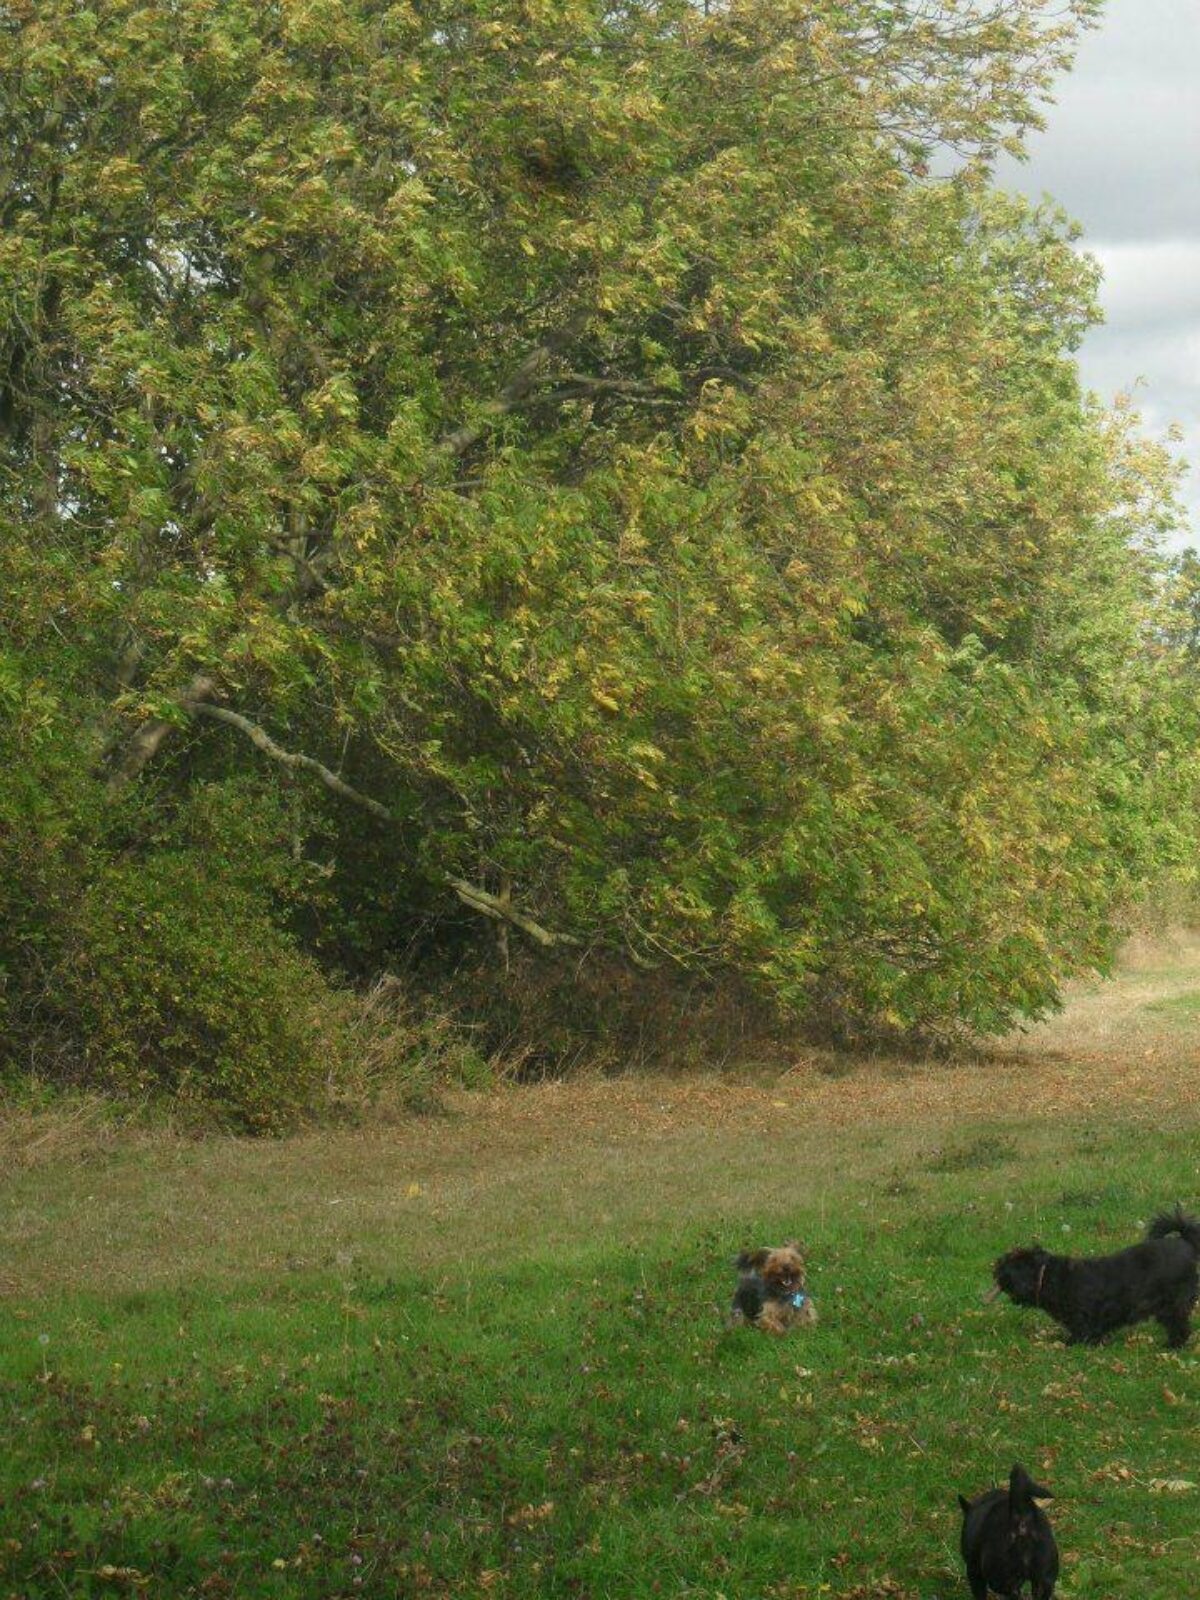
{"points": [[983, 1150]]}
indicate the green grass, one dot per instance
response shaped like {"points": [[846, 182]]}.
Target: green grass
{"points": [[1183, 1009], [562, 1412]]}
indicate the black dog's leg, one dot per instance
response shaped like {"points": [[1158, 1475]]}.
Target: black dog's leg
{"points": [[1044, 1572], [977, 1582], [1084, 1336], [1177, 1327]]}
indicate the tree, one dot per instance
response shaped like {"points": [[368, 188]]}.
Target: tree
{"points": [[583, 440]]}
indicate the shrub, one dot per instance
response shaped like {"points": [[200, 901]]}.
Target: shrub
{"points": [[183, 984], [396, 1045]]}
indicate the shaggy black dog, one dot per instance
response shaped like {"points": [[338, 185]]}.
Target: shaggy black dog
{"points": [[1007, 1541], [1091, 1298]]}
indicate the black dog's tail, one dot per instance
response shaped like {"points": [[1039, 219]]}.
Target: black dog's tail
{"points": [[1176, 1221], [1022, 1491]]}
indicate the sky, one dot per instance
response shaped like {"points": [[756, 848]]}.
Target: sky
{"points": [[1121, 153]]}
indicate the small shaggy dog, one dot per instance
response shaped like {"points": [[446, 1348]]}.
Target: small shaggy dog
{"points": [[1093, 1297], [1007, 1541], [772, 1292]]}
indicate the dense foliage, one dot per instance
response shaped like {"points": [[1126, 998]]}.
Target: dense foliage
{"points": [[567, 462]]}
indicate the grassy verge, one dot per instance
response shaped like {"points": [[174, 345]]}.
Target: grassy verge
{"points": [[526, 1389]]}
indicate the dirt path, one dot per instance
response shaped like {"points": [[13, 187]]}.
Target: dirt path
{"points": [[555, 1167], [1130, 1042], [1152, 1005]]}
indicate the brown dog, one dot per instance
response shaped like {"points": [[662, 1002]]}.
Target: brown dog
{"points": [[772, 1291]]}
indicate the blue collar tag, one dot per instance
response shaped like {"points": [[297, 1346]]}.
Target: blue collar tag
{"points": [[799, 1298]]}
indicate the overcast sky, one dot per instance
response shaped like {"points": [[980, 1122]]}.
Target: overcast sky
{"points": [[1121, 152]]}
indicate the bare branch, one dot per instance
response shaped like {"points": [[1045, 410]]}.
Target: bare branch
{"points": [[143, 745], [515, 390], [592, 388], [498, 908], [293, 758], [591, 385]]}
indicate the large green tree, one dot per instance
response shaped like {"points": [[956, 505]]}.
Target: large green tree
{"points": [[582, 444]]}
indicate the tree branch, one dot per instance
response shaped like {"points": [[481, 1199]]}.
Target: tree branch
{"points": [[588, 384], [293, 758], [144, 743], [491, 905], [515, 390], [642, 394], [498, 907]]}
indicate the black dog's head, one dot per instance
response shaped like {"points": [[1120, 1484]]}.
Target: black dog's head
{"points": [[1021, 1274]]}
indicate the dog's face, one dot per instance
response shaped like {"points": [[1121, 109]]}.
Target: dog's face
{"points": [[1020, 1273], [781, 1269]]}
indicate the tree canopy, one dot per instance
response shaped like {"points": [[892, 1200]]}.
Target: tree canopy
{"points": [[569, 467]]}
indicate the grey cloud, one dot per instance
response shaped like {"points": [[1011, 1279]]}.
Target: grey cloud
{"points": [[1122, 142], [1150, 285], [1121, 153], [1129, 168]]}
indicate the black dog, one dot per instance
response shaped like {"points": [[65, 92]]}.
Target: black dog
{"points": [[1091, 1298], [1007, 1541]]}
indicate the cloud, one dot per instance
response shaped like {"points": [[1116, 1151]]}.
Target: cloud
{"points": [[1122, 158], [1150, 284], [1121, 153], [1120, 143]]}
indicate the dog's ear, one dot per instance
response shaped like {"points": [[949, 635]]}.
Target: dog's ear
{"points": [[964, 1503], [751, 1260]]}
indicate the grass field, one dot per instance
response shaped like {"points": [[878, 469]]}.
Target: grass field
{"points": [[483, 1354]]}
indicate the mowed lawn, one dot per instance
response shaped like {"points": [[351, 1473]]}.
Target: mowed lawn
{"points": [[484, 1354]]}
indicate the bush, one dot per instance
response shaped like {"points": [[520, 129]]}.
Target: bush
{"points": [[396, 1045], [183, 984], [49, 822]]}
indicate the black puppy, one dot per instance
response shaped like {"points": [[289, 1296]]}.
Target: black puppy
{"points": [[1091, 1298], [1007, 1541]]}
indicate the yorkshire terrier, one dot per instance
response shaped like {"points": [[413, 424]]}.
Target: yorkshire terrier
{"points": [[772, 1292]]}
